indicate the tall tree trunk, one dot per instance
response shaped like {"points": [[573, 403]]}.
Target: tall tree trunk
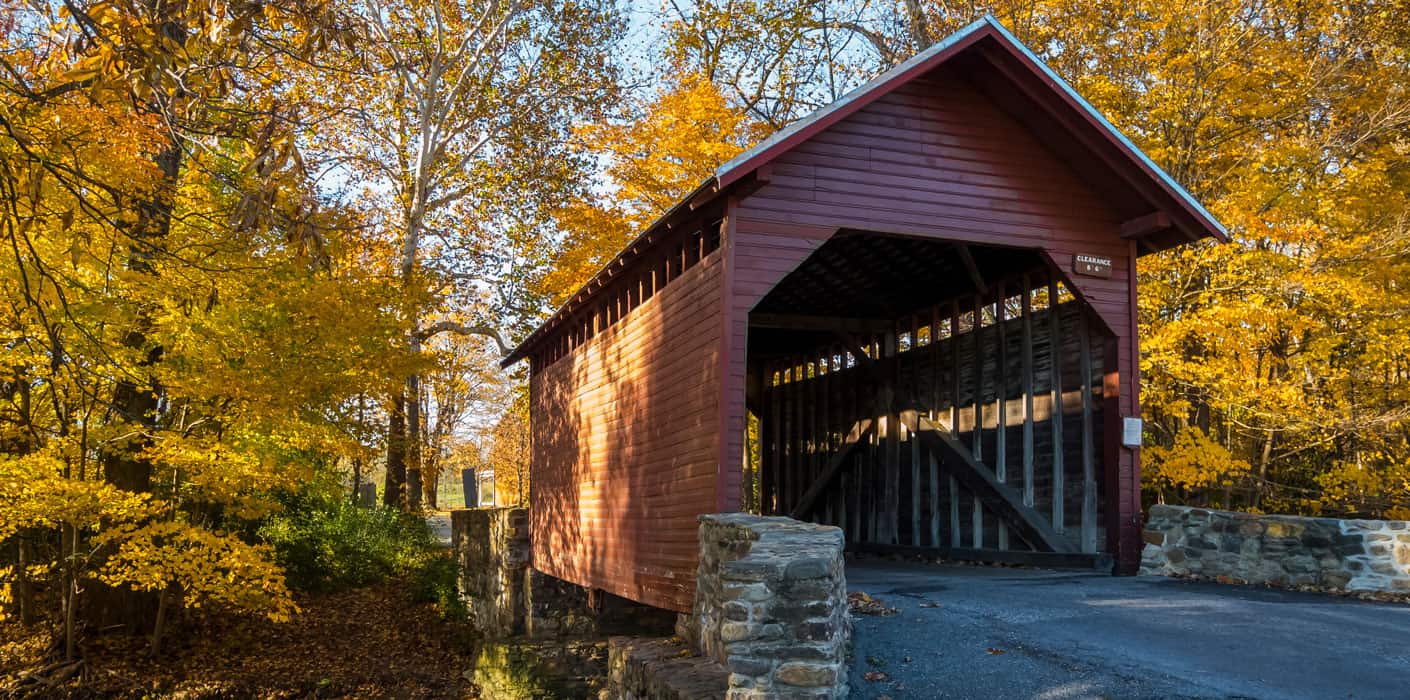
{"points": [[430, 460], [136, 399], [394, 488], [414, 485], [357, 481], [24, 589], [1263, 461]]}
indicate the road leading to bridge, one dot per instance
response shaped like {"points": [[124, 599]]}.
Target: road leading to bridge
{"points": [[969, 632]]}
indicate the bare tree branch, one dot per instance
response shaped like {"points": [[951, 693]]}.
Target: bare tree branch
{"points": [[462, 329]]}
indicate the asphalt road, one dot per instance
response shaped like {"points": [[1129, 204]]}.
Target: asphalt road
{"points": [[440, 526], [1021, 633]]}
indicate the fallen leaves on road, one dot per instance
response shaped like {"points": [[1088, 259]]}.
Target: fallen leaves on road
{"points": [[862, 604]]}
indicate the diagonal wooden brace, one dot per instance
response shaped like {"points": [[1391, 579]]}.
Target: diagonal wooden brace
{"points": [[997, 496], [859, 432]]}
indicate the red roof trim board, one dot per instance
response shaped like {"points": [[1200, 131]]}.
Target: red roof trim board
{"points": [[1140, 166]]}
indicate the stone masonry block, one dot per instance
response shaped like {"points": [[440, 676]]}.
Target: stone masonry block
{"points": [[1278, 549]]}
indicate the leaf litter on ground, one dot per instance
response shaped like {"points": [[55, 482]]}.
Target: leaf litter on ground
{"points": [[366, 642], [862, 604]]}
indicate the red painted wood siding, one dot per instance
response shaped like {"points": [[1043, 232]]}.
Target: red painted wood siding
{"points": [[626, 441], [933, 158]]}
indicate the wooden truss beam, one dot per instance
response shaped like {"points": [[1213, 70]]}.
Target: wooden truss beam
{"points": [[1145, 225], [829, 324], [997, 496], [859, 432], [973, 269]]}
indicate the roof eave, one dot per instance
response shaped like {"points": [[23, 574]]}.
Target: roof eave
{"points": [[709, 186]]}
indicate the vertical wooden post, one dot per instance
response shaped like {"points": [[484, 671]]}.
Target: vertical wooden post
{"points": [[934, 464], [954, 512], [825, 426], [955, 416], [1111, 443], [977, 436], [915, 444], [786, 447], [769, 439], [1001, 410], [1089, 474], [1026, 311], [842, 521], [814, 429], [800, 413], [892, 487], [839, 413], [854, 392], [935, 363], [1055, 347], [977, 525], [873, 474]]}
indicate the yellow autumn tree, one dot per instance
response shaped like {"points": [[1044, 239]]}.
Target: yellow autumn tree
{"points": [[508, 453], [656, 153], [185, 320]]}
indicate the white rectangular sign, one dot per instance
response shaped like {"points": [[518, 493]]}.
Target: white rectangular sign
{"points": [[1131, 432]]}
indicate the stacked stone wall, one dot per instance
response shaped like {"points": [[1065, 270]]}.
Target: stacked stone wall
{"points": [[492, 548], [501, 589], [1280, 550], [771, 606], [646, 668]]}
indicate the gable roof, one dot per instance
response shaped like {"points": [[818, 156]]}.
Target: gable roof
{"points": [[1176, 217], [930, 59]]}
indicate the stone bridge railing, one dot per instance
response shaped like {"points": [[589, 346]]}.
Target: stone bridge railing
{"points": [[1282, 550], [771, 606]]}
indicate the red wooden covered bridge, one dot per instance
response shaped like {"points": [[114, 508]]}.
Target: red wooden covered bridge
{"points": [[919, 301]]}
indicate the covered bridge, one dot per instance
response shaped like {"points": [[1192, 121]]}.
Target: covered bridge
{"points": [[911, 315]]}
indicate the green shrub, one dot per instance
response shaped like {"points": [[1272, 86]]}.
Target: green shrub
{"points": [[325, 543], [434, 582], [328, 544]]}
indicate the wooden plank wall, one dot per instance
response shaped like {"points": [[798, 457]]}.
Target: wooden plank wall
{"points": [[891, 492], [937, 159], [625, 440]]}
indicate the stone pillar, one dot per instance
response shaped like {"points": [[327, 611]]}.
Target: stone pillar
{"points": [[492, 548], [771, 606]]}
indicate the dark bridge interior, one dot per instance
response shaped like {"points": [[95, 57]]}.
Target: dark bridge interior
{"points": [[904, 388]]}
